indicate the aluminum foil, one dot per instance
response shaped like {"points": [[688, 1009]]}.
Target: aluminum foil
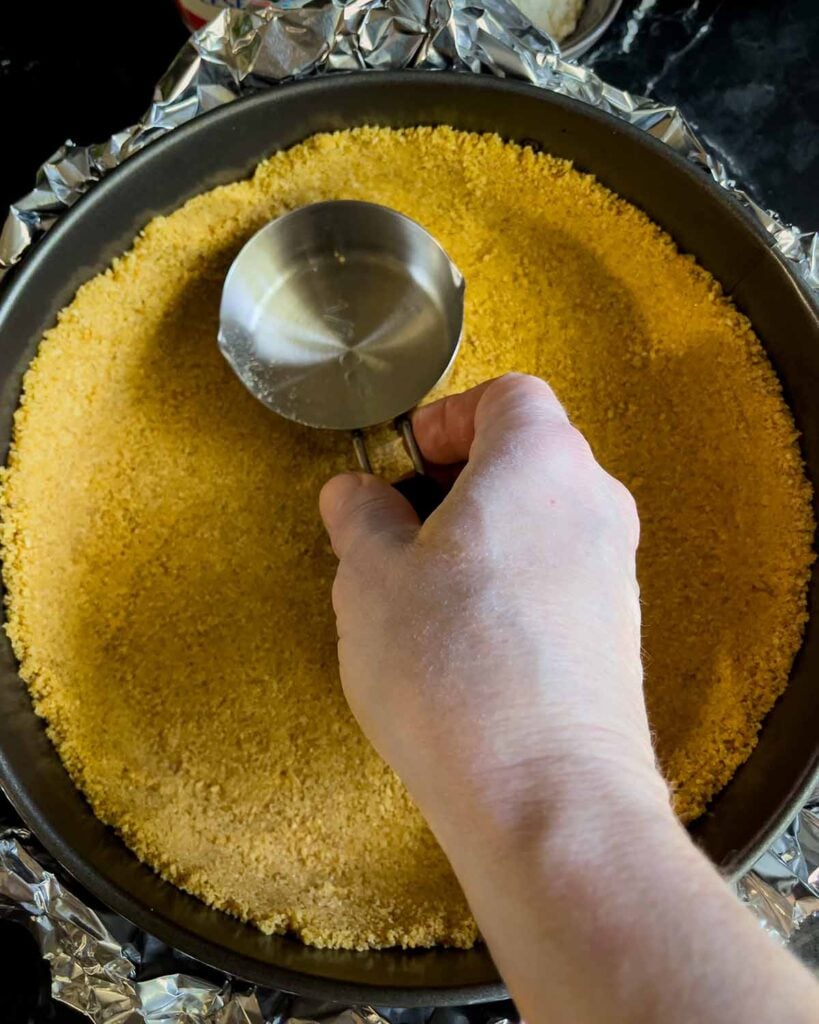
{"points": [[242, 51], [114, 980], [100, 965], [782, 888]]}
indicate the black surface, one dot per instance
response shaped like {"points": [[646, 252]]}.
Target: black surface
{"points": [[75, 70], [744, 71], [422, 492], [224, 146], [25, 980], [745, 74]]}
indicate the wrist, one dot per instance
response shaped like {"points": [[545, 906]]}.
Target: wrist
{"points": [[570, 802], [560, 854]]}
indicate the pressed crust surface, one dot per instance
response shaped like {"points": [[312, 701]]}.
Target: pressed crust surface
{"points": [[169, 580]]}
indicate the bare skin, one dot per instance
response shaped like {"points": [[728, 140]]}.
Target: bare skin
{"points": [[492, 656]]}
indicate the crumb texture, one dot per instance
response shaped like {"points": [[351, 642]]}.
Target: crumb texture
{"points": [[169, 579]]}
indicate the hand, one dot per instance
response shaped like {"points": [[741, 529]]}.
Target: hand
{"points": [[496, 647], [492, 656]]}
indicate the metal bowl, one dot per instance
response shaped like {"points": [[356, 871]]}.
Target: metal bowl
{"points": [[594, 19], [226, 145]]}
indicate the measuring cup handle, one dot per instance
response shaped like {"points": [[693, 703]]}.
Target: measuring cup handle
{"points": [[362, 456], [420, 490]]}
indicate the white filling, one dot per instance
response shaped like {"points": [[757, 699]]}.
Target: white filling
{"points": [[556, 17]]}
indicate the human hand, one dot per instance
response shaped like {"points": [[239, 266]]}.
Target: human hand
{"points": [[492, 656], [495, 649]]}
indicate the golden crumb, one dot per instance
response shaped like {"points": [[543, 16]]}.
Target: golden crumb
{"points": [[169, 579]]}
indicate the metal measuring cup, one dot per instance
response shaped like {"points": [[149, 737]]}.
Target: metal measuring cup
{"points": [[343, 315]]}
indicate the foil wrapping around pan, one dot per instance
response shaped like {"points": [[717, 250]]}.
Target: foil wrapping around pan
{"points": [[108, 969], [242, 51], [99, 963]]}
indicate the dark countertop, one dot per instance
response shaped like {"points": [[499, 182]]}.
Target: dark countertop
{"points": [[746, 76], [744, 73]]}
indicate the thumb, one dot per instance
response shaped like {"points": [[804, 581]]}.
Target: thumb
{"points": [[359, 506]]}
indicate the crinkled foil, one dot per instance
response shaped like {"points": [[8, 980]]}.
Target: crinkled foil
{"points": [[242, 51], [101, 975], [782, 888], [112, 980], [125, 979]]}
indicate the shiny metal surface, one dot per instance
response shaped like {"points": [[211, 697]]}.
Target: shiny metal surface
{"points": [[246, 50], [341, 314]]}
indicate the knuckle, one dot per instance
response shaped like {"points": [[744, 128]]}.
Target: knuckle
{"points": [[574, 443], [363, 511], [518, 387], [613, 510], [630, 513], [564, 453], [341, 590], [625, 500], [521, 403]]}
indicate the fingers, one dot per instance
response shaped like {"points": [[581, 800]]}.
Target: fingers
{"points": [[520, 424], [446, 430], [359, 507], [517, 408]]}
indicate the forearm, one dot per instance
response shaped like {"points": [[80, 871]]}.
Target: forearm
{"points": [[492, 655], [597, 908]]}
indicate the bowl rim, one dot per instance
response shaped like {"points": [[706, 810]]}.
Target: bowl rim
{"points": [[581, 40]]}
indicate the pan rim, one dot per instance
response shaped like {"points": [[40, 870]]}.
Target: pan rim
{"points": [[16, 285]]}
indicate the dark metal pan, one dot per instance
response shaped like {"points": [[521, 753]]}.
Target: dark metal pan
{"points": [[226, 145]]}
